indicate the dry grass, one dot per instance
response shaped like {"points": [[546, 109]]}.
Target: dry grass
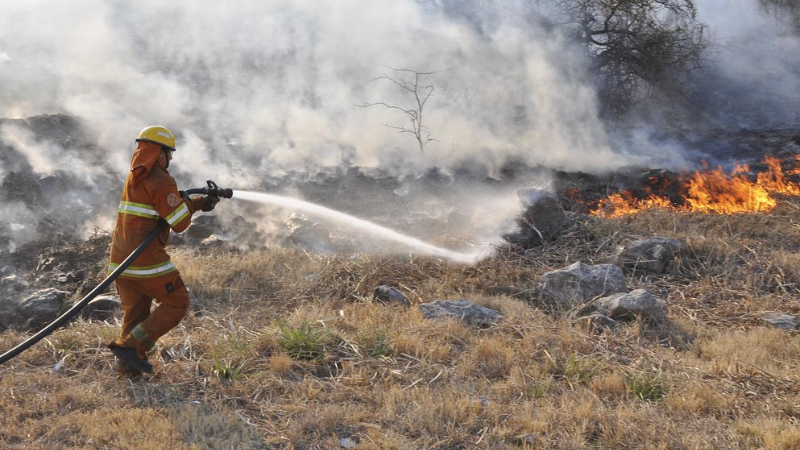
{"points": [[284, 349]]}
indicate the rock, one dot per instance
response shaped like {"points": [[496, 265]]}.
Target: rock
{"points": [[543, 218], [13, 282], [469, 312], [579, 283], [629, 306], [78, 275], [102, 307], [524, 440], [388, 295], [655, 255], [213, 242], [202, 227], [347, 442], [241, 234], [597, 321], [8, 314], [41, 307], [782, 321], [309, 235], [66, 277]]}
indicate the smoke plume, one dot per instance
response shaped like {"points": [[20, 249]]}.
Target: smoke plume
{"points": [[752, 78], [258, 90]]}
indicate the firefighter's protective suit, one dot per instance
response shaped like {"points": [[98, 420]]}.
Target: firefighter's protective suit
{"points": [[150, 193]]}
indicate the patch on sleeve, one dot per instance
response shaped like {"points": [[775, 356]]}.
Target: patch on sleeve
{"points": [[173, 200]]}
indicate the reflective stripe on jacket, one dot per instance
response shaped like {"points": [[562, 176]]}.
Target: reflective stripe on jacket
{"points": [[145, 200]]}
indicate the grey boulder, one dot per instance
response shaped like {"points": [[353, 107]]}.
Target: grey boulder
{"points": [[782, 321], [41, 307], [388, 295], [578, 283], [629, 306], [655, 255], [103, 307], [542, 220], [469, 312]]}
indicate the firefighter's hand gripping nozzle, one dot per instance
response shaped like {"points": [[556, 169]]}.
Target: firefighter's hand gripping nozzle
{"points": [[212, 194], [213, 190]]}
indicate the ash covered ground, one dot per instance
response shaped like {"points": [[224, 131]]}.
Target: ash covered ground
{"points": [[59, 221]]}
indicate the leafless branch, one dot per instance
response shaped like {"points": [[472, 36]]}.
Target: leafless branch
{"points": [[421, 93]]}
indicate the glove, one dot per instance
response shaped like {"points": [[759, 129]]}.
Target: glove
{"points": [[211, 202]]}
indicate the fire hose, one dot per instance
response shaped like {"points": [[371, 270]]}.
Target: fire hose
{"points": [[211, 190]]}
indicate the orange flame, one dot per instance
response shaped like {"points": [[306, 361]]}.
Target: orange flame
{"points": [[624, 204], [714, 192], [774, 179]]}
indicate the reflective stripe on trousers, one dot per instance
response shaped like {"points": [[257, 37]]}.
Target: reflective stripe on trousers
{"points": [[153, 271]]}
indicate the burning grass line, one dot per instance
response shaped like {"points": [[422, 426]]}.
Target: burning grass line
{"points": [[711, 191]]}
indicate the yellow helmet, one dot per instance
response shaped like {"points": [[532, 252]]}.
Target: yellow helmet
{"points": [[158, 135]]}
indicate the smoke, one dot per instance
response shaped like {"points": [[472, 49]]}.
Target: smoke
{"points": [[275, 88], [754, 64], [47, 157], [283, 80]]}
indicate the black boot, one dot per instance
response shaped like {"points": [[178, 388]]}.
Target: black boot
{"points": [[128, 356]]}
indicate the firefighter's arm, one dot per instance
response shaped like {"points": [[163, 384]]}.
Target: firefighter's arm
{"points": [[195, 204], [173, 208]]}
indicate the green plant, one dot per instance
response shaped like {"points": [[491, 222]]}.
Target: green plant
{"points": [[303, 341], [576, 368], [377, 344], [537, 390], [226, 369], [646, 386], [63, 343], [235, 341]]}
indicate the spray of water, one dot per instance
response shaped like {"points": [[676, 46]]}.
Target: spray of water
{"points": [[414, 244]]}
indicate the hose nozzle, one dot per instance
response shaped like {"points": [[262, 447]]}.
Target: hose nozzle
{"points": [[212, 189]]}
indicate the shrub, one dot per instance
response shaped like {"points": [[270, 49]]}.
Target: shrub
{"points": [[304, 341]]}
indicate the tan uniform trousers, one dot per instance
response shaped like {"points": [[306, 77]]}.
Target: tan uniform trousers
{"points": [[140, 327]]}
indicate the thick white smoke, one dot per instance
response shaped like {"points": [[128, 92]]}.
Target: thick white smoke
{"points": [[754, 61], [283, 81], [269, 87]]}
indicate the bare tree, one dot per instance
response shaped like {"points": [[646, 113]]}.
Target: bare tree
{"points": [[411, 82], [636, 46]]}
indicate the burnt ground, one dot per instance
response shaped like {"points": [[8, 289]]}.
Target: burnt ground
{"points": [[59, 256], [66, 263]]}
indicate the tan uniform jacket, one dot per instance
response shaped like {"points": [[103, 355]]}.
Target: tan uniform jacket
{"points": [[143, 202]]}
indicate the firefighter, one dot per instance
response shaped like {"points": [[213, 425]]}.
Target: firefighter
{"points": [[150, 193]]}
